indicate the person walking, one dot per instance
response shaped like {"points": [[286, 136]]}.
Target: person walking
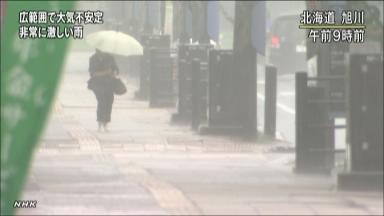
{"points": [[103, 69]]}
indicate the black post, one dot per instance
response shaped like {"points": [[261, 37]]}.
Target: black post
{"points": [[301, 98], [270, 101], [183, 68], [222, 103], [195, 105], [160, 82], [365, 124], [143, 91], [148, 42], [186, 54], [314, 129]]}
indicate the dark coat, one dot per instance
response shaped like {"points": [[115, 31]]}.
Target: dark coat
{"points": [[102, 67], [100, 62]]}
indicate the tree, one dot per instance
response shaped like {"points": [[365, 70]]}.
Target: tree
{"points": [[244, 60]]}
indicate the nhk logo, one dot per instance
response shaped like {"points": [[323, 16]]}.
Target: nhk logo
{"points": [[25, 204]]}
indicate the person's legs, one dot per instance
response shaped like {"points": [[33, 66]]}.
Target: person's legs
{"points": [[105, 96], [108, 109], [100, 112]]}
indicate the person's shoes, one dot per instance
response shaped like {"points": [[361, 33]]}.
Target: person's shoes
{"points": [[106, 127], [100, 125]]}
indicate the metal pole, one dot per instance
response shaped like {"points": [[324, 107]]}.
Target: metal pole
{"points": [[301, 89], [195, 66], [270, 101]]}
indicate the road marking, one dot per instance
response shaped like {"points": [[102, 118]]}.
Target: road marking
{"points": [[279, 105], [168, 197], [86, 140]]}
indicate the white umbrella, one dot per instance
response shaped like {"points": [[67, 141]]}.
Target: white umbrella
{"points": [[115, 42]]}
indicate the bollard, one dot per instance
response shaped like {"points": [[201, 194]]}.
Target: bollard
{"points": [[365, 124], [196, 92], [270, 101], [221, 88], [183, 90], [314, 127], [222, 106], [186, 54], [148, 42], [161, 78], [301, 90], [142, 92]]}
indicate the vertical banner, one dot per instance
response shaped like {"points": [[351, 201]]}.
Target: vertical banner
{"points": [[213, 26], [259, 26], [30, 71]]}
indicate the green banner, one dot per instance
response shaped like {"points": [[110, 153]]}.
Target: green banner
{"points": [[30, 71]]}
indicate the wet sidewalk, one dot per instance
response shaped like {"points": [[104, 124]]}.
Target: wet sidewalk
{"points": [[145, 165]]}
